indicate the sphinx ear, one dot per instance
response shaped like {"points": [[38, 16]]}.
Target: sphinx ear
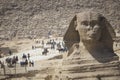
{"points": [[71, 36], [107, 33], [109, 27]]}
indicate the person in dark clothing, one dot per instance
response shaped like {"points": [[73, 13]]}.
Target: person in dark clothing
{"points": [[28, 56], [32, 63], [10, 52], [26, 62], [16, 58], [24, 56], [29, 63]]}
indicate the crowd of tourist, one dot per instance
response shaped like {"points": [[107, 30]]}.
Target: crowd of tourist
{"points": [[11, 62], [51, 44]]}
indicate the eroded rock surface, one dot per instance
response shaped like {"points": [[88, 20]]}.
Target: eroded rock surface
{"points": [[31, 18]]}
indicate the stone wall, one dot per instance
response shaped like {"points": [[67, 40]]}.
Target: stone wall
{"points": [[35, 18]]}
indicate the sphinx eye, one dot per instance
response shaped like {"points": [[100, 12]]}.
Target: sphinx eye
{"points": [[93, 23], [85, 23]]}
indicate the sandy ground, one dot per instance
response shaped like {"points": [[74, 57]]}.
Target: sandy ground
{"points": [[25, 46], [43, 67], [19, 44]]}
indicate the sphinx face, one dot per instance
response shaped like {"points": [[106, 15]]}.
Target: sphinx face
{"points": [[88, 26]]}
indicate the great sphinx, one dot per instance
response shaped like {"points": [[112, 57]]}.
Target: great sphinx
{"points": [[90, 36], [89, 39]]}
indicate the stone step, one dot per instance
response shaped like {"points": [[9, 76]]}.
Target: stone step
{"points": [[81, 70], [90, 67], [79, 61], [101, 73]]}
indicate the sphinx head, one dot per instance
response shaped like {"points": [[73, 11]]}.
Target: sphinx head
{"points": [[89, 26]]}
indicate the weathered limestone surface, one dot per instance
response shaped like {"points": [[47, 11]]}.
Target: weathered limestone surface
{"points": [[31, 18], [91, 55]]}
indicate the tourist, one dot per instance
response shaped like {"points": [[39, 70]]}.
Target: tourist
{"points": [[32, 63], [16, 58], [26, 62], [24, 56], [32, 47], [28, 56], [29, 63], [10, 52]]}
